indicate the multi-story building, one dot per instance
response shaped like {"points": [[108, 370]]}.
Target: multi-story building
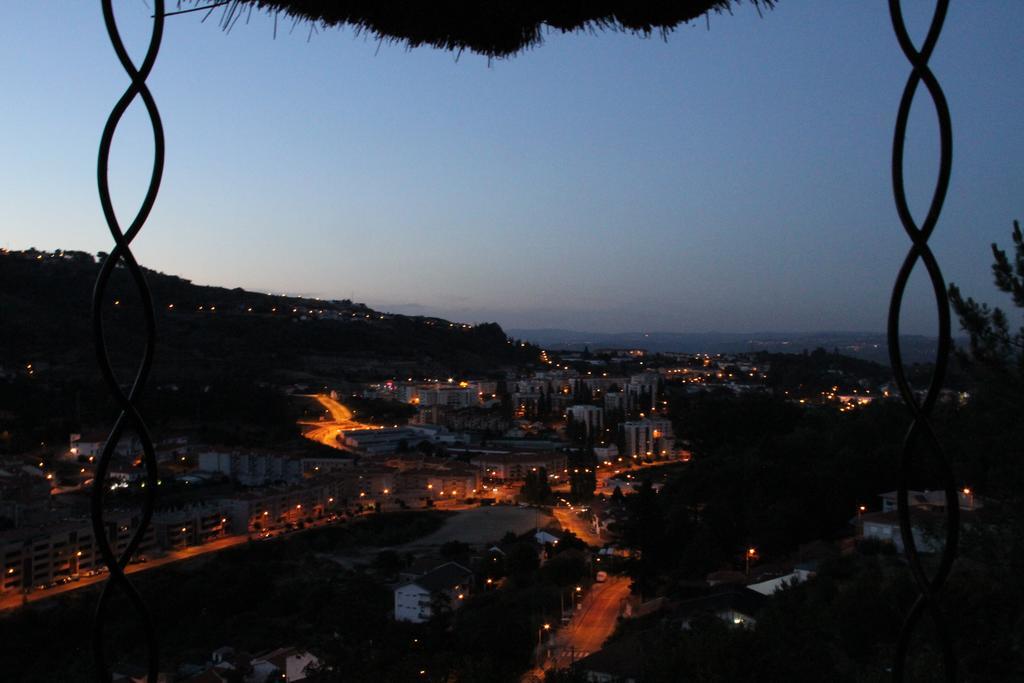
{"points": [[448, 395], [525, 404], [642, 392], [484, 389], [42, 554], [531, 386], [407, 393], [614, 401], [191, 525], [648, 438], [476, 419], [312, 466], [455, 481], [252, 468], [430, 415], [278, 506], [514, 466], [600, 385], [591, 417]]}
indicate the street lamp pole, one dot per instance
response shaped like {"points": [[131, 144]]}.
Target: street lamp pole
{"points": [[540, 636]]}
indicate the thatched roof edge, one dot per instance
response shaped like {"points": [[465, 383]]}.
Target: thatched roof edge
{"points": [[495, 28]]}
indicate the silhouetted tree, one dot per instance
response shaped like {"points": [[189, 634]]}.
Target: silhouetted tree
{"points": [[617, 496], [535, 487], [522, 562], [995, 350]]}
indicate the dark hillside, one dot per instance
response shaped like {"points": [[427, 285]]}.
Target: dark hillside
{"points": [[223, 355], [45, 318]]}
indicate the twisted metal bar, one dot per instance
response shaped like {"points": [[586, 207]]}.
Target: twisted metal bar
{"points": [[921, 431], [129, 414]]}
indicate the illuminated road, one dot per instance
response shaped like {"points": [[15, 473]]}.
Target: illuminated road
{"points": [[13, 600], [328, 432], [606, 472], [591, 624], [570, 521]]}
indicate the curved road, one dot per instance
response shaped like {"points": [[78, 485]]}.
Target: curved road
{"points": [[328, 432]]}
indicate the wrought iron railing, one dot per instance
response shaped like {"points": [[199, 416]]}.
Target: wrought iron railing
{"points": [[921, 434], [129, 416]]}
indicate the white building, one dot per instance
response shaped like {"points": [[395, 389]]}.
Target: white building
{"points": [[448, 584], [252, 468], [885, 527], [642, 391], [448, 395], [92, 444], [592, 417], [614, 400], [648, 438]]}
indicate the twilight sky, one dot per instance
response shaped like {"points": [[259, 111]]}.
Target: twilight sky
{"points": [[735, 179]]}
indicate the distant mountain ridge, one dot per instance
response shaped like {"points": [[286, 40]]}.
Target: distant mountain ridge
{"points": [[866, 345]]}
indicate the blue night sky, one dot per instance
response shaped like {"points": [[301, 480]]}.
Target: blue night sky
{"points": [[735, 179]]}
